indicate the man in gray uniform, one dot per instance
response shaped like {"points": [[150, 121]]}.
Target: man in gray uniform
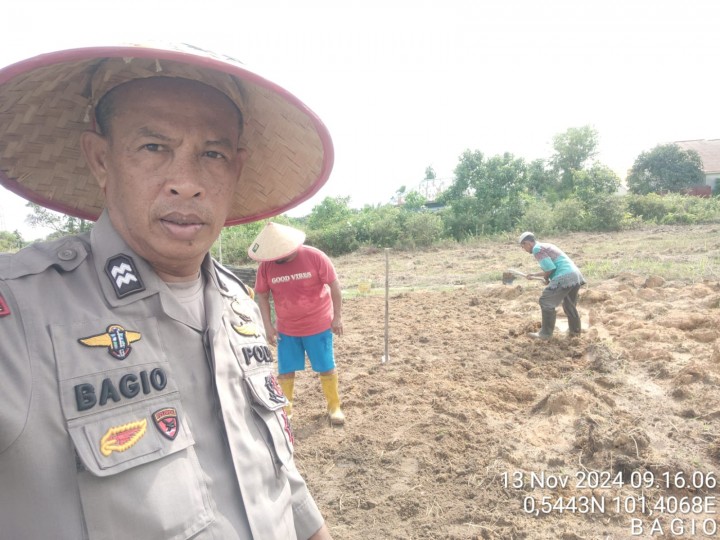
{"points": [[138, 398]]}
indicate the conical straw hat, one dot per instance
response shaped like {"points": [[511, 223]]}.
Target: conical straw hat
{"points": [[274, 242], [46, 102]]}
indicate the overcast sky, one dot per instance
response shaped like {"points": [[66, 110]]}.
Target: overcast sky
{"points": [[403, 85]]}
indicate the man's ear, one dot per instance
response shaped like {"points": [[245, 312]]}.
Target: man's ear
{"points": [[94, 148]]}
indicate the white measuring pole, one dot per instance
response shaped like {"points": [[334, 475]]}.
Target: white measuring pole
{"points": [[386, 357]]}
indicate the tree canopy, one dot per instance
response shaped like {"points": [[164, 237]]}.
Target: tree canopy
{"points": [[665, 168]]}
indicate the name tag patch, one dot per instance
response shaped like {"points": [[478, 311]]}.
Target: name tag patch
{"points": [[127, 386]]}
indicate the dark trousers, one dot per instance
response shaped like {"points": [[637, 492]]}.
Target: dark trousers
{"points": [[552, 298]]}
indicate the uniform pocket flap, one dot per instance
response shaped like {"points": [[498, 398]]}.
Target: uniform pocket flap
{"points": [[266, 391], [114, 441]]}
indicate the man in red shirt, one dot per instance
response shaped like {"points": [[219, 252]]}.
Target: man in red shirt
{"points": [[308, 309]]}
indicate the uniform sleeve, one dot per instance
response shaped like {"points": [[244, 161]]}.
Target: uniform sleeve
{"points": [[16, 375], [306, 514]]}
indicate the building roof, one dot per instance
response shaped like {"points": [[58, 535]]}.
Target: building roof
{"points": [[709, 150]]}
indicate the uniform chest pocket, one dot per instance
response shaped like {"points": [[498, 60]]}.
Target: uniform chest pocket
{"points": [[138, 473]]}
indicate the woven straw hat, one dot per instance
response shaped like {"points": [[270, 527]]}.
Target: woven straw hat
{"points": [[274, 242], [46, 102]]}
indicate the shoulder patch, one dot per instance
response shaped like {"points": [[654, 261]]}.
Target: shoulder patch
{"points": [[4, 309]]}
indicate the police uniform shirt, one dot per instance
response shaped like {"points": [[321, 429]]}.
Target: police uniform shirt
{"points": [[121, 418]]}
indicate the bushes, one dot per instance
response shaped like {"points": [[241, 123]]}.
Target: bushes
{"points": [[343, 230], [569, 215], [674, 208], [606, 213]]}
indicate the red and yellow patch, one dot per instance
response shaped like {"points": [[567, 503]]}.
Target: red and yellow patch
{"points": [[120, 438], [4, 309]]}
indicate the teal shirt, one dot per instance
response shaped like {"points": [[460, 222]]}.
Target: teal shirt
{"points": [[553, 259]]}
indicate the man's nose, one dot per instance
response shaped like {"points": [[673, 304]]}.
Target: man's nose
{"points": [[185, 178]]}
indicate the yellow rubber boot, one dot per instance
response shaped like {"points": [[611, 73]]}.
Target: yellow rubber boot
{"points": [[288, 386], [330, 389]]}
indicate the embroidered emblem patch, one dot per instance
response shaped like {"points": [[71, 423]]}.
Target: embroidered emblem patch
{"points": [[120, 438], [287, 427], [4, 309], [247, 328], [116, 339], [123, 275], [275, 392], [166, 421]]}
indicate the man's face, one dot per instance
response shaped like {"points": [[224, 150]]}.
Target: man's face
{"points": [[168, 166], [527, 246]]}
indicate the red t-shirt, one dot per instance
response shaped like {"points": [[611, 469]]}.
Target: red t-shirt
{"points": [[300, 291]]}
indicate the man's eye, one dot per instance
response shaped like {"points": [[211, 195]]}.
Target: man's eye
{"points": [[152, 147], [214, 155]]}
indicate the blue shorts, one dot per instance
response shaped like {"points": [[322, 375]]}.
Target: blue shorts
{"points": [[319, 349]]}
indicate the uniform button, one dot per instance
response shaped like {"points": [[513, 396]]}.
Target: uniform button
{"points": [[67, 254]]}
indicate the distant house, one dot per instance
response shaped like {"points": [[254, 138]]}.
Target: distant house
{"points": [[709, 150]]}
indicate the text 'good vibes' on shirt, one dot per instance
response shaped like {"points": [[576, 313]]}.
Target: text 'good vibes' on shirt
{"points": [[300, 291]]}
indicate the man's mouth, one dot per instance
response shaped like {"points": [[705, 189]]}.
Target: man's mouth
{"points": [[182, 226]]}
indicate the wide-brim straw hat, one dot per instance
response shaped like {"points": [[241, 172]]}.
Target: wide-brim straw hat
{"points": [[46, 102], [275, 241]]}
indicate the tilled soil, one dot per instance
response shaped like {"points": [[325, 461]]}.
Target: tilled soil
{"points": [[472, 429]]}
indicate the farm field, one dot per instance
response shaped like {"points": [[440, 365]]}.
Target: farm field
{"points": [[472, 430]]}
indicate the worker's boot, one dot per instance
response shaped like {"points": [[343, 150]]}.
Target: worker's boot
{"points": [[288, 386], [548, 325], [330, 389], [574, 325]]}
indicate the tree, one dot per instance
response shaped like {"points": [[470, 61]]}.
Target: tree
{"points": [[10, 242], [573, 149], [60, 223], [330, 210], [665, 168], [596, 181], [541, 180], [495, 184]]}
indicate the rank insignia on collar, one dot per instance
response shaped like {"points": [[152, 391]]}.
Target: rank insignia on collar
{"points": [[115, 338], [4, 309], [120, 438], [166, 421], [123, 275]]}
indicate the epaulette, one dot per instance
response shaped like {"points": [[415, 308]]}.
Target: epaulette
{"points": [[65, 254], [226, 275]]}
